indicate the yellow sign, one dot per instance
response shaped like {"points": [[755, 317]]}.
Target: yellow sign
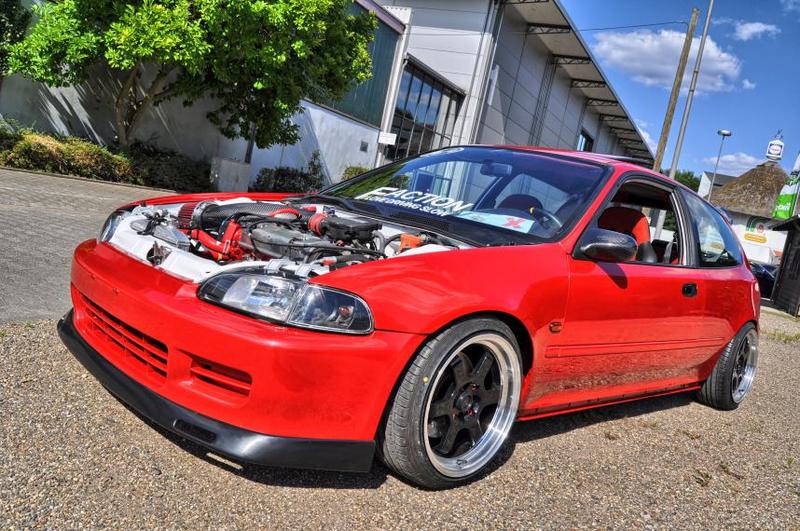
{"points": [[758, 238]]}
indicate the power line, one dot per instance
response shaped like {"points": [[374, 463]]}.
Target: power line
{"points": [[637, 26]]}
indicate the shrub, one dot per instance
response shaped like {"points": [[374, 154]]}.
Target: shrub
{"points": [[71, 156], [353, 171], [283, 179], [28, 150], [86, 159], [33, 151], [164, 169]]}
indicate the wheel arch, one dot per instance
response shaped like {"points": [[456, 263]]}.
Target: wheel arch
{"points": [[518, 328]]}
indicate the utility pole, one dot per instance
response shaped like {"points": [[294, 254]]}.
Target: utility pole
{"points": [[676, 90], [686, 111], [692, 86]]}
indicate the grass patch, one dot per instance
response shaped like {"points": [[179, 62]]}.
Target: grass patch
{"points": [[782, 336], [690, 434], [702, 477]]}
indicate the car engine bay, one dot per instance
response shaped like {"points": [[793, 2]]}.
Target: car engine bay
{"points": [[298, 240]]}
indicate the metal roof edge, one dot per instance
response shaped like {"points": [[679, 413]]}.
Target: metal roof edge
{"points": [[383, 15], [610, 87]]}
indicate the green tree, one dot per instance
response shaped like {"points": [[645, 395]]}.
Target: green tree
{"points": [[257, 58], [14, 21], [686, 178]]}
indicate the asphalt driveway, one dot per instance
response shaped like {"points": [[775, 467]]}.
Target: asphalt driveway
{"points": [[42, 219]]}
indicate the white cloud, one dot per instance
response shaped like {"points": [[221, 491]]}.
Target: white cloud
{"points": [[642, 126], [791, 5], [652, 57], [745, 31], [733, 163], [747, 84]]}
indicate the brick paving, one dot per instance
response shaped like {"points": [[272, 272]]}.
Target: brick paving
{"points": [[42, 219]]}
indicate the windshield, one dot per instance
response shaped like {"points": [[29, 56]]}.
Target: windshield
{"points": [[489, 196]]}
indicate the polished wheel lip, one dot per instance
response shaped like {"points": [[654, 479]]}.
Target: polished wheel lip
{"points": [[745, 366], [503, 418]]}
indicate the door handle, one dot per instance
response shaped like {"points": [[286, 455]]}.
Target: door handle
{"points": [[689, 290]]}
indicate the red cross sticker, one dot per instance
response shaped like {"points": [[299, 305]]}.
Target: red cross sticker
{"points": [[514, 223]]}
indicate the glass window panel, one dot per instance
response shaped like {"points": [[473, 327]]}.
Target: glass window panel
{"points": [[427, 140], [444, 105], [403, 139], [402, 93], [413, 97], [427, 111], [451, 118], [414, 142], [422, 108], [433, 107]]}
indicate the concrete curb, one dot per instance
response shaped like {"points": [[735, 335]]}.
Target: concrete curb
{"points": [[86, 179]]}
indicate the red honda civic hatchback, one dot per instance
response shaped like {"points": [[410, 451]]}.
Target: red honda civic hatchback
{"points": [[419, 309]]}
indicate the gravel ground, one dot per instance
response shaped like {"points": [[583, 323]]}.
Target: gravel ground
{"points": [[72, 456]]}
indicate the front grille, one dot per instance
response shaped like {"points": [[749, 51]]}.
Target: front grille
{"points": [[149, 357], [137, 347], [220, 376]]}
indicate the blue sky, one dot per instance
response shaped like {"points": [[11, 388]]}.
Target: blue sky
{"points": [[749, 82]]}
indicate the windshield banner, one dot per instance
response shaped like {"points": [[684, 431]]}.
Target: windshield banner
{"points": [[438, 205]]}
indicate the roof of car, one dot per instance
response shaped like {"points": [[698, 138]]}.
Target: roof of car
{"points": [[624, 163], [586, 155]]}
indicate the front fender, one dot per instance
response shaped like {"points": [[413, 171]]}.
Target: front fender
{"points": [[422, 293]]}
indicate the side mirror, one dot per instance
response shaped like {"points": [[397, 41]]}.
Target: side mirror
{"points": [[607, 246]]}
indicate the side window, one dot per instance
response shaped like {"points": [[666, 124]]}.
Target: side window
{"points": [[634, 210], [717, 245]]}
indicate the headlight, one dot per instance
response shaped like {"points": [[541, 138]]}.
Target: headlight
{"points": [[288, 301], [111, 224]]}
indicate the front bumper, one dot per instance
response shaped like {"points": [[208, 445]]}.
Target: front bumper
{"points": [[255, 375], [237, 443]]}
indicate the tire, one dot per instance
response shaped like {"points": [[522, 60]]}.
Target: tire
{"points": [[463, 381], [732, 378]]}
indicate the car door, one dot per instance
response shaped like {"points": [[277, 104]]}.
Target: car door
{"points": [[631, 327], [730, 299]]}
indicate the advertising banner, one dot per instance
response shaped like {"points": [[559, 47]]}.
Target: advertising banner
{"points": [[785, 204]]}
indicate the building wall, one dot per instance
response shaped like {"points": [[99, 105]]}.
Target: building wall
{"points": [[338, 139], [520, 61], [85, 110], [719, 182], [452, 38]]}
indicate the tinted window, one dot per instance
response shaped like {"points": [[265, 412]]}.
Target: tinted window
{"points": [[487, 195], [424, 115], [717, 244]]}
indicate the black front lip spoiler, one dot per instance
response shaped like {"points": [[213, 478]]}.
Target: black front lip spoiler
{"points": [[230, 441]]}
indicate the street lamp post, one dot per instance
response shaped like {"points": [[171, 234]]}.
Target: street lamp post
{"points": [[724, 133]]}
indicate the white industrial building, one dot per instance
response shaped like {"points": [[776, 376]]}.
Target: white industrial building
{"points": [[719, 179], [444, 72]]}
